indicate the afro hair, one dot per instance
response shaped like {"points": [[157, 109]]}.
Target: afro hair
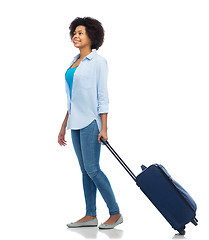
{"points": [[94, 30]]}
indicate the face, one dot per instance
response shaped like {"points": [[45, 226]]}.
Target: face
{"points": [[80, 38]]}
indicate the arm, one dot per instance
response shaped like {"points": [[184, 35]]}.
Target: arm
{"points": [[64, 124], [61, 136], [103, 99], [103, 132]]}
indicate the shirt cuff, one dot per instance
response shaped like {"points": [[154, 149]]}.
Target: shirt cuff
{"points": [[103, 109]]}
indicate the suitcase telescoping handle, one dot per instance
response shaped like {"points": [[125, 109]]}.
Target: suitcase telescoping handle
{"points": [[106, 143]]}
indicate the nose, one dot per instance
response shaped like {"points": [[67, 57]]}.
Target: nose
{"points": [[75, 35]]}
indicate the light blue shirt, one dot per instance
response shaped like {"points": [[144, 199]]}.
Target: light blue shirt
{"points": [[89, 92]]}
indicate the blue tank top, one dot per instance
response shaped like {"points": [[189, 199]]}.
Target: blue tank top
{"points": [[69, 78]]}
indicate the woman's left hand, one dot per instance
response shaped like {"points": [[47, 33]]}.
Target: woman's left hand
{"points": [[103, 134]]}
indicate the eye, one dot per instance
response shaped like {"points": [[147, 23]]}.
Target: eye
{"points": [[80, 33]]}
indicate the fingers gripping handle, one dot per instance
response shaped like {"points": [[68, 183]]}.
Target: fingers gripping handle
{"points": [[103, 141], [106, 143]]}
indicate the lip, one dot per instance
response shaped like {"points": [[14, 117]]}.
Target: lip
{"points": [[76, 42]]}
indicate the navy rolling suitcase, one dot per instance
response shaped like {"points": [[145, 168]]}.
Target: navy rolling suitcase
{"points": [[171, 200]]}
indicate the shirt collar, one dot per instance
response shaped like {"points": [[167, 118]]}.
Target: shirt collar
{"points": [[90, 56]]}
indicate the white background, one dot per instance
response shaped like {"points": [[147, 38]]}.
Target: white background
{"points": [[158, 57]]}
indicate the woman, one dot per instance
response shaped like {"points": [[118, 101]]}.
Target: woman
{"points": [[87, 101]]}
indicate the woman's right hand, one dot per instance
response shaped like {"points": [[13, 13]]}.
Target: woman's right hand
{"points": [[61, 137]]}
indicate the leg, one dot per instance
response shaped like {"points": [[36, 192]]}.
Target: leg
{"points": [[88, 185], [91, 153]]}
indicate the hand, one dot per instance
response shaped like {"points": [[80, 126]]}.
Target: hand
{"points": [[61, 137], [103, 134]]}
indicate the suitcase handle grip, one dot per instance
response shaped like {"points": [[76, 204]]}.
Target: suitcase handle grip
{"points": [[106, 143], [103, 141]]}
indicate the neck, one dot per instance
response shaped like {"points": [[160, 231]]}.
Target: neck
{"points": [[84, 52]]}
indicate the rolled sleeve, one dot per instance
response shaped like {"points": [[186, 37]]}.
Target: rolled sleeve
{"points": [[103, 98]]}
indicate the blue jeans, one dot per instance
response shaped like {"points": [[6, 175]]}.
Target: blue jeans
{"points": [[87, 149]]}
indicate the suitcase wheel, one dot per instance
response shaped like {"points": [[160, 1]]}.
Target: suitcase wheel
{"points": [[182, 231]]}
